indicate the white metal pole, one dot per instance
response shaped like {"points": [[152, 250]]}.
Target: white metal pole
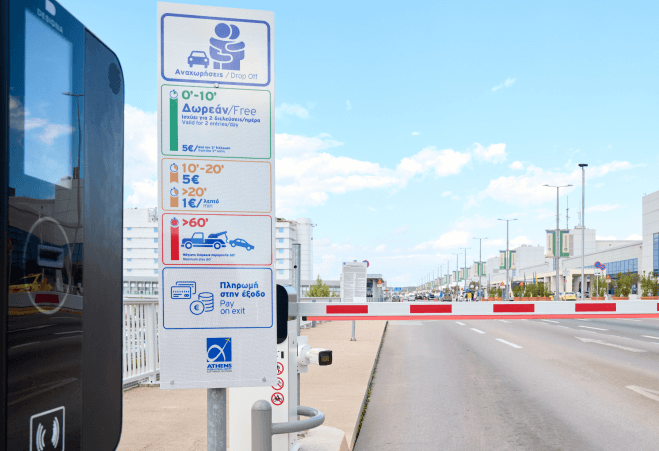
{"points": [[557, 250], [507, 260], [583, 228]]}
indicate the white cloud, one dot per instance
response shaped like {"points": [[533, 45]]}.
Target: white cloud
{"points": [[52, 131], [603, 207], [380, 248], [291, 109], [528, 189], [506, 84], [634, 236], [140, 156], [517, 165], [443, 162], [306, 176], [446, 193], [415, 133], [371, 208], [605, 238], [513, 243], [494, 153], [325, 244], [475, 222], [348, 105], [145, 193], [452, 239]]}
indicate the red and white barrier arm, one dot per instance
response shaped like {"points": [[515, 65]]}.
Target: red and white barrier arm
{"points": [[318, 311]]}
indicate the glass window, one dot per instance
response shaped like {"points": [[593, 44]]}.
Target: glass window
{"points": [[281, 229], [155, 260], [129, 228], [129, 259], [281, 240], [155, 251], [281, 251], [129, 239], [155, 240], [129, 249], [281, 271], [129, 270], [155, 271], [155, 229]]}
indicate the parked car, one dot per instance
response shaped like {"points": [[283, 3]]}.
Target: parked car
{"points": [[431, 297], [33, 282]]}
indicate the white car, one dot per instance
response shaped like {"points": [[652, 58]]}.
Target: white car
{"points": [[411, 297]]}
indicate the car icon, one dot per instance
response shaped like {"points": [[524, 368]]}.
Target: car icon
{"points": [[198, 58], [242, 243]]}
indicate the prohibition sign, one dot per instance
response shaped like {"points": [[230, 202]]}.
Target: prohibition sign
{"points": [[279, 385], [277, 399], [280, 368]]}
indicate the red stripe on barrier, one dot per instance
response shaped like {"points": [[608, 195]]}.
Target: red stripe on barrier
{"points": [[476, 317], [347, 309], [514, 308], [431, 308], [600, 307]]}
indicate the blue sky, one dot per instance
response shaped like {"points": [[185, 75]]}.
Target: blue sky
{"points": [[404, 132]]}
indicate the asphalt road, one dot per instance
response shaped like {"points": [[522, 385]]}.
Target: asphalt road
{"points": [[516, 385]]}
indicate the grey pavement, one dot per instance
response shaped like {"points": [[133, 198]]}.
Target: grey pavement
{"points": [[516, 385]]}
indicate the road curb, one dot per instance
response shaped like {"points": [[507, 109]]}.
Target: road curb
{"points": [[367, 394]]}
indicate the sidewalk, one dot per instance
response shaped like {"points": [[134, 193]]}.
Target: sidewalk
{"points": [[175, 420]]}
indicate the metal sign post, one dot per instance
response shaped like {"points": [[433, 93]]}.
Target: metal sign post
{"points": [[216, 194]]}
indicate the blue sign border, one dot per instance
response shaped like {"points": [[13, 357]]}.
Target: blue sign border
{"points": [[162, 50], [163, 291]]}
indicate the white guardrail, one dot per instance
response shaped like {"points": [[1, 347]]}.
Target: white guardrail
{"points": [[141, 357]]}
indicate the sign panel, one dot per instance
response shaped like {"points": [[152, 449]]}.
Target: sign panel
{"points": [[353, 282], [216, 191]]}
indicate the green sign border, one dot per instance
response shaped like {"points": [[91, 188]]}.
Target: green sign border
{"points": [[212, 156]]}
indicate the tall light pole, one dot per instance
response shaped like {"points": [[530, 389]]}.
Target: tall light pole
{"points": [[457, 268], [466, 271], [480, 260], [507, 258], [448, 271], [583, 167], [557, 240]]}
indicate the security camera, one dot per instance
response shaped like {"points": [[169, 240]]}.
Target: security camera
{"points": [[320, 356], [307, 355]]}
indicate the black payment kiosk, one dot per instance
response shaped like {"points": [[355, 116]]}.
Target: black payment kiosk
{"points": [[61, 192]]}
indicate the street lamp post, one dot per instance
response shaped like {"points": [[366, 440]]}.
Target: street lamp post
{"points": [[466, 271], [583, 167], [507, 258], [480, 260], [457, 269], [557, 251]]}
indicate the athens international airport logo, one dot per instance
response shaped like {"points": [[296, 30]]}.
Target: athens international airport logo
{"points": [[218, 355]]}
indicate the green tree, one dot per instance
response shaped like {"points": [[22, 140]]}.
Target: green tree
{"points": [[319, 289]]}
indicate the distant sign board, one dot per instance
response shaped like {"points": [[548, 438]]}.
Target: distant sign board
{"points": [[397, 289], [216, 193], [353, 282]]}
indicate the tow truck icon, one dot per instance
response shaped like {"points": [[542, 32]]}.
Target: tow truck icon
{"points": [[214, 240]]}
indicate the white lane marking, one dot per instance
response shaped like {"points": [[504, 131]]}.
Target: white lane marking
{"points": [[627, 319], [504, 321], [647, 392], [550, 321], [406, 323], [458, 322], [24, 344], [650, 336], [476, 330], [590, 340], [581, 319], [564, 327], [596, 328], [31, 328], [72, 332], [509, 343]]}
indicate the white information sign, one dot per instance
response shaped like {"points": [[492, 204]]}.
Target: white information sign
{"points": [[353, 282], [216, 194]]}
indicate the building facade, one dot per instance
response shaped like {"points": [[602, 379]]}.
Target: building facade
{"points": [[140, 251], [287, 233]]}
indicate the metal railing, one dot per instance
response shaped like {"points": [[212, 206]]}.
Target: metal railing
{"points": [[141, 357]]}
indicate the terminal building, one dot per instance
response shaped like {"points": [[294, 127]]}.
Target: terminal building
{"points": [[527, 263]]}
